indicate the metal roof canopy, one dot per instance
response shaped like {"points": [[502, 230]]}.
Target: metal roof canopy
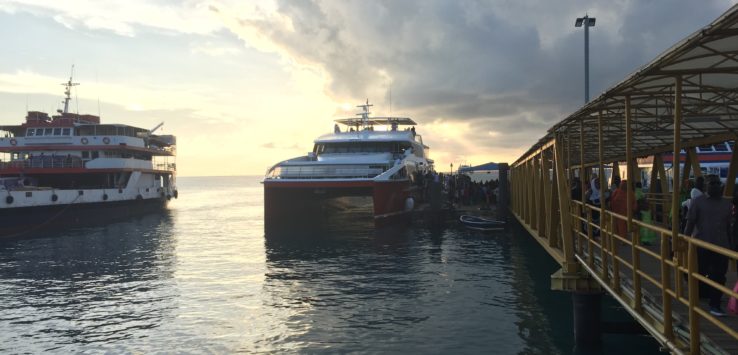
{"points": [[706, 62]]}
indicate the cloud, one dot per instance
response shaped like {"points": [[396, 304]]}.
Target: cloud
{"points": [[214, 50], [462, 69], [514, 69], [122, 17]]}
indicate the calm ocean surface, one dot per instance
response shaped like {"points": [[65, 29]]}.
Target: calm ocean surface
{"points": [[202, 278]]}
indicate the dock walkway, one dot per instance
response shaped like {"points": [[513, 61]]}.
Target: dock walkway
{"points": [[685, 98]]}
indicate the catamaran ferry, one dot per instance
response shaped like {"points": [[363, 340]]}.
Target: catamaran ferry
{"points": [[70, 169], [378, 158]]}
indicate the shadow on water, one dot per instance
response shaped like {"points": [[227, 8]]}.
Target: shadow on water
{"points": [[86, 286]]}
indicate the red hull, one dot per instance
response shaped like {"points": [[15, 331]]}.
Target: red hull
{"points": [[287, 200]]}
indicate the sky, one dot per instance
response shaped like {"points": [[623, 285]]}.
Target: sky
{"points": [[246, 84]]}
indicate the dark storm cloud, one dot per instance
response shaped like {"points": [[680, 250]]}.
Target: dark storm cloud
{"points": [[511, 72]]}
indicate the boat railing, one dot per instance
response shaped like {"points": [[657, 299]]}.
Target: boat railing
{"points": [[44, 162], [325, 171], [166, 166]]}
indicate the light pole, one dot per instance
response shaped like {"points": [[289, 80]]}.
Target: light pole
{"points": [[587, 22]]}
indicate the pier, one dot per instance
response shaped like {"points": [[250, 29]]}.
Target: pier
{"points": [[685, 98]]}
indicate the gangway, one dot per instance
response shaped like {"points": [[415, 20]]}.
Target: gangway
{"points": [[685, 98]]}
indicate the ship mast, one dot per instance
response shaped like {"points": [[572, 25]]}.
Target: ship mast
{"points": [[365, 115], [68, 91]]}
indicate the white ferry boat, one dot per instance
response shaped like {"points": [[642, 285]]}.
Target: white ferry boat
{"points": [[380, 158], [69, 169]]}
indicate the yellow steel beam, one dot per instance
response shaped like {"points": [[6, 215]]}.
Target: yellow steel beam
{"points": [[601, 154], [567, 240], [688, 163], [730, 181], [692, 153], [632, 230]]}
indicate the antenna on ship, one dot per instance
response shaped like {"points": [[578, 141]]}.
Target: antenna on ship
{"points": [[68, 91], [365, 115]]}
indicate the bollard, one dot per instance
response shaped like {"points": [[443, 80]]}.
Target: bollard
{"points": [[503, 194]]}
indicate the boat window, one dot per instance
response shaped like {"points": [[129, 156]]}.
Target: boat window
{"points": [[95, 154], [720, 147], [31, 132], [48, 131], [65, 131], [57, 131], [723, 172], [39, 131], [361, 147], [85, 155], [705, 148]]}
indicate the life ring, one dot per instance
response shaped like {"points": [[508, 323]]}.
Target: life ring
{"points": [[9, 199], [13, 141], [84, 140], [54, 198], [106, 140], [105, 197]]}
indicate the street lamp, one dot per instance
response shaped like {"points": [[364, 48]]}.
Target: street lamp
{"points": [[587, 22]]}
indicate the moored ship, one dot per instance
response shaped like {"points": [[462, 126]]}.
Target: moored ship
{"points": [[70, 169], [378, 158]]}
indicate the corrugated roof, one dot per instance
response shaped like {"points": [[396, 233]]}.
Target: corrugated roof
{"points": [[706, 62]]}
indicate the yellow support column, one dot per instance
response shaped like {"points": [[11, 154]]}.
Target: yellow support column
{"points": [[601, 158], [659, 161], [603, 184], [630, 162], [730, 181], [692, 154], [728, 192], [548, 203], [567, 240], [675, 200]]}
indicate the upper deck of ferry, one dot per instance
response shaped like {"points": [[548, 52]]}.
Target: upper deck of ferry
{"points": [[388, 129]]}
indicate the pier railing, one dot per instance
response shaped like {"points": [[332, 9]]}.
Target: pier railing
{"points": [[685, 98], [669, 267]]}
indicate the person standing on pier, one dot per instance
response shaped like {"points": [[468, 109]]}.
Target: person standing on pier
{"points": [[709, 218], [619, 205]]}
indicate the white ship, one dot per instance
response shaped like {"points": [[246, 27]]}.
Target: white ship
{"points": [[70, 169], [381, 158]]}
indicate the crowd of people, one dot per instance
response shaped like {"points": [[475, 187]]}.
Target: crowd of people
{"points": [[460, 189], [704, 215]]}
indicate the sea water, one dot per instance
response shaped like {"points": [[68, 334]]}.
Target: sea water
{"points": [[203, 278]]}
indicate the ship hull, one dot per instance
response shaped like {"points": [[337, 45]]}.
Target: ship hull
{"points": [[294, 204], [36, 220]]}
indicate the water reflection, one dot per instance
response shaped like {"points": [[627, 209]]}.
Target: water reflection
{"points": [[405, 286], [86, 286]]}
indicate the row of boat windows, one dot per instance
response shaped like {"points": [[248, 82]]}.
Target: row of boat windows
{"points": [[720, 147], [94, 154], [364, 147], [48, 131]]}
